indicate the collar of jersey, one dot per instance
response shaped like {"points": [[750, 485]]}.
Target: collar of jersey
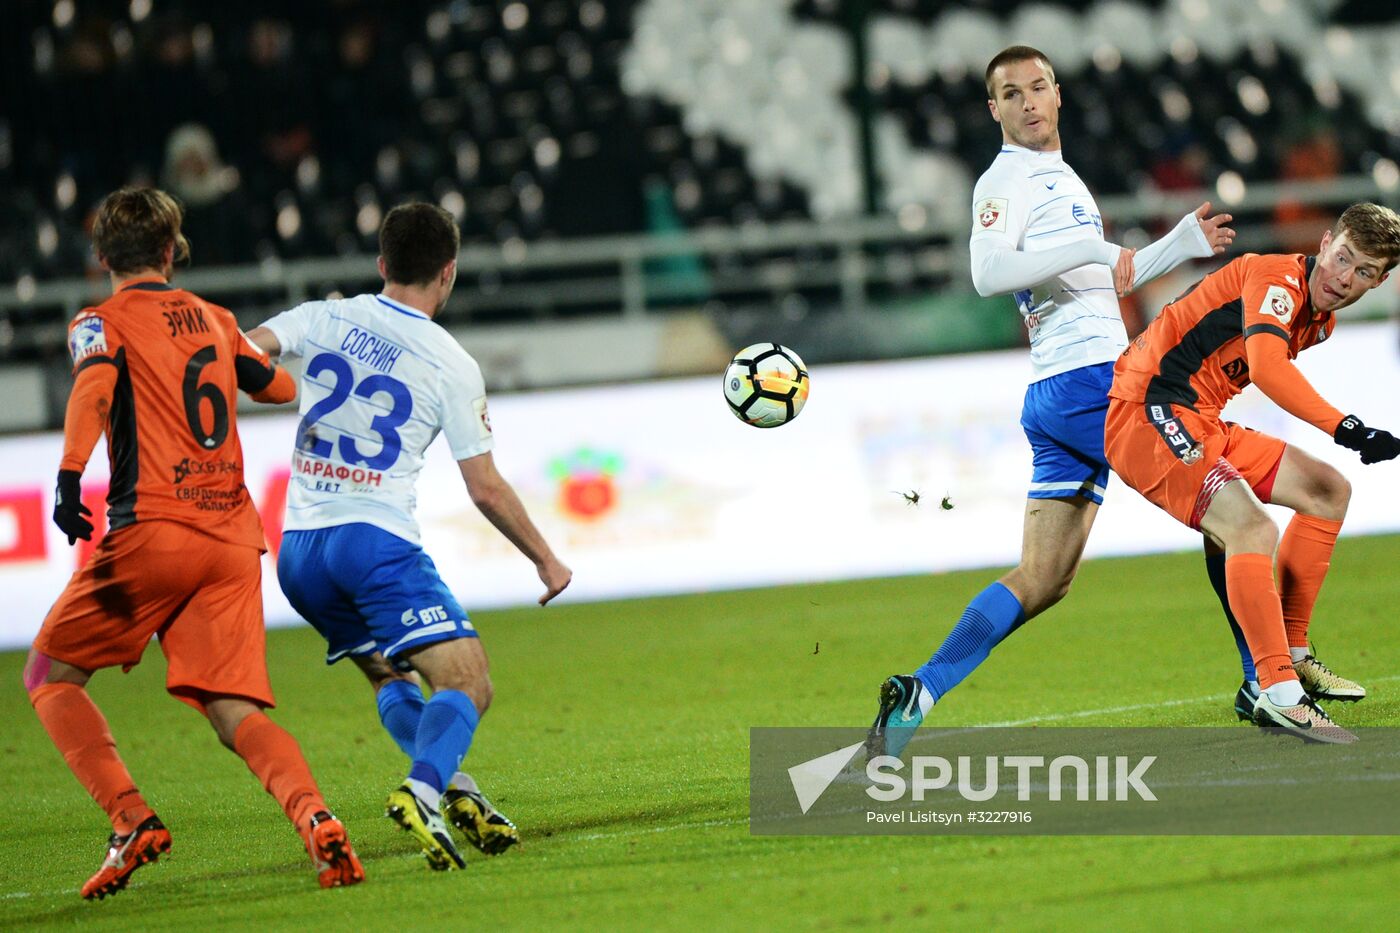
{"points": [[1052, 155], [148, 283], [400, 307]]}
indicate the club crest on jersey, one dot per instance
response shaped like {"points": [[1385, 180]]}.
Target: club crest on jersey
{"points": [[1278, 303], [990, 214], [483, 417], [87, 338]]}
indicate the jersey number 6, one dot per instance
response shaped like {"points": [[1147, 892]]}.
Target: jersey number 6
{"points": [[194, 393], [385, 425]]}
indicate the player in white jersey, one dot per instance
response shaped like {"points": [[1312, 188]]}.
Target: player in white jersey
{"points": [[380, 382], [1038, 234]]}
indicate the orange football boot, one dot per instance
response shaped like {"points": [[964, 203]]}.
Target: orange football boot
{"points": [[125, 854], [335, 860]]}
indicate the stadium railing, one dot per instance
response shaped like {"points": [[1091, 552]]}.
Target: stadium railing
{"points": [[611, 275]]}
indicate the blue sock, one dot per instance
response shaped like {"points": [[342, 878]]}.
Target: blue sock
{"points": [[444, 735], [400, 708], [1215, 568], [992, 615]]}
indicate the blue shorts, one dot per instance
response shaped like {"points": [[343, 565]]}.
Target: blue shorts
{"points": [[366, 590], [1063, 419]]}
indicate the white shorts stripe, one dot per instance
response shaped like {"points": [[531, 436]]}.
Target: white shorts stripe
{"points": [[436, 628], [1072, 487], [367, 648]]}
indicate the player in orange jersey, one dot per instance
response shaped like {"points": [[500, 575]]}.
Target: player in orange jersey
{"points": [[1163, 435], [158, 369]]}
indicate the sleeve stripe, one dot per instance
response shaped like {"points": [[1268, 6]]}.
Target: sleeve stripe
{"points": [[93, 361], [1274, 329], [253, 376]]}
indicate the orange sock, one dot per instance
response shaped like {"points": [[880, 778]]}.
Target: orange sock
{"points": [[1249, 582], [275, 758], [80, 731], [1304, 555]]}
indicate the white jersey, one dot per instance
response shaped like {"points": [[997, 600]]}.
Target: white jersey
{"points": [[1033, 201], [380, 381]]}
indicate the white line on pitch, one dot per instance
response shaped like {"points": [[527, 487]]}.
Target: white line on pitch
{"points": [[1081, 714], [670, 827]]}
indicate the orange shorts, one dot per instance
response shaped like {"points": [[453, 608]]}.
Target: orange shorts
{"points": [[201, 596], [1179, 459]]}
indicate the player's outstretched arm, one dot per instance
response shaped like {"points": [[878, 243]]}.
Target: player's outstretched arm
{"points": [[1196, 236], [265, 340], [502, 507], [1266, 351], [997, 269], [262, 379], [1276, 376]]}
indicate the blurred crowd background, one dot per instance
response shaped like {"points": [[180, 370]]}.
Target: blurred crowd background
{"points": [[288, 129]]}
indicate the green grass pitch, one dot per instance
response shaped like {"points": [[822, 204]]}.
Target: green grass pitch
{"points": [[618, 742]]}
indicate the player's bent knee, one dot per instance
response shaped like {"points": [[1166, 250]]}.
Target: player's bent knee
{"points": [[1057, 590], [1335, 490], [1255, 535], [1315, 488], [476, 685], [484, 693], [456, 664], [1039, 586], [226, 714]]}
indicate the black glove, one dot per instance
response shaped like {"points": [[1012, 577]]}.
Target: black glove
{"points": [[1374, 444], [68, 508]]}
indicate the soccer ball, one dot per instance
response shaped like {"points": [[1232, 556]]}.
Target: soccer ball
{"points": [[766, 385]]}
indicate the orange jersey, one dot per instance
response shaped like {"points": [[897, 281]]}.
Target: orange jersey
{"points": [[159, 370], [1242, 324]]}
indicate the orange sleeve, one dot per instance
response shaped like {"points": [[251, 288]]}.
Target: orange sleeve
{"points": [[262, 379], [86, 417], [281, 389], [93, 339], [1276, 376], [98, 355], [1271, 295]]}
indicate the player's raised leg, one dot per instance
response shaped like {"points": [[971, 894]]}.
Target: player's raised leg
{"points": [[458, 672], [1236, 520], [79, 730], [1063, 417], [1052, 543], [1319, 495]]}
